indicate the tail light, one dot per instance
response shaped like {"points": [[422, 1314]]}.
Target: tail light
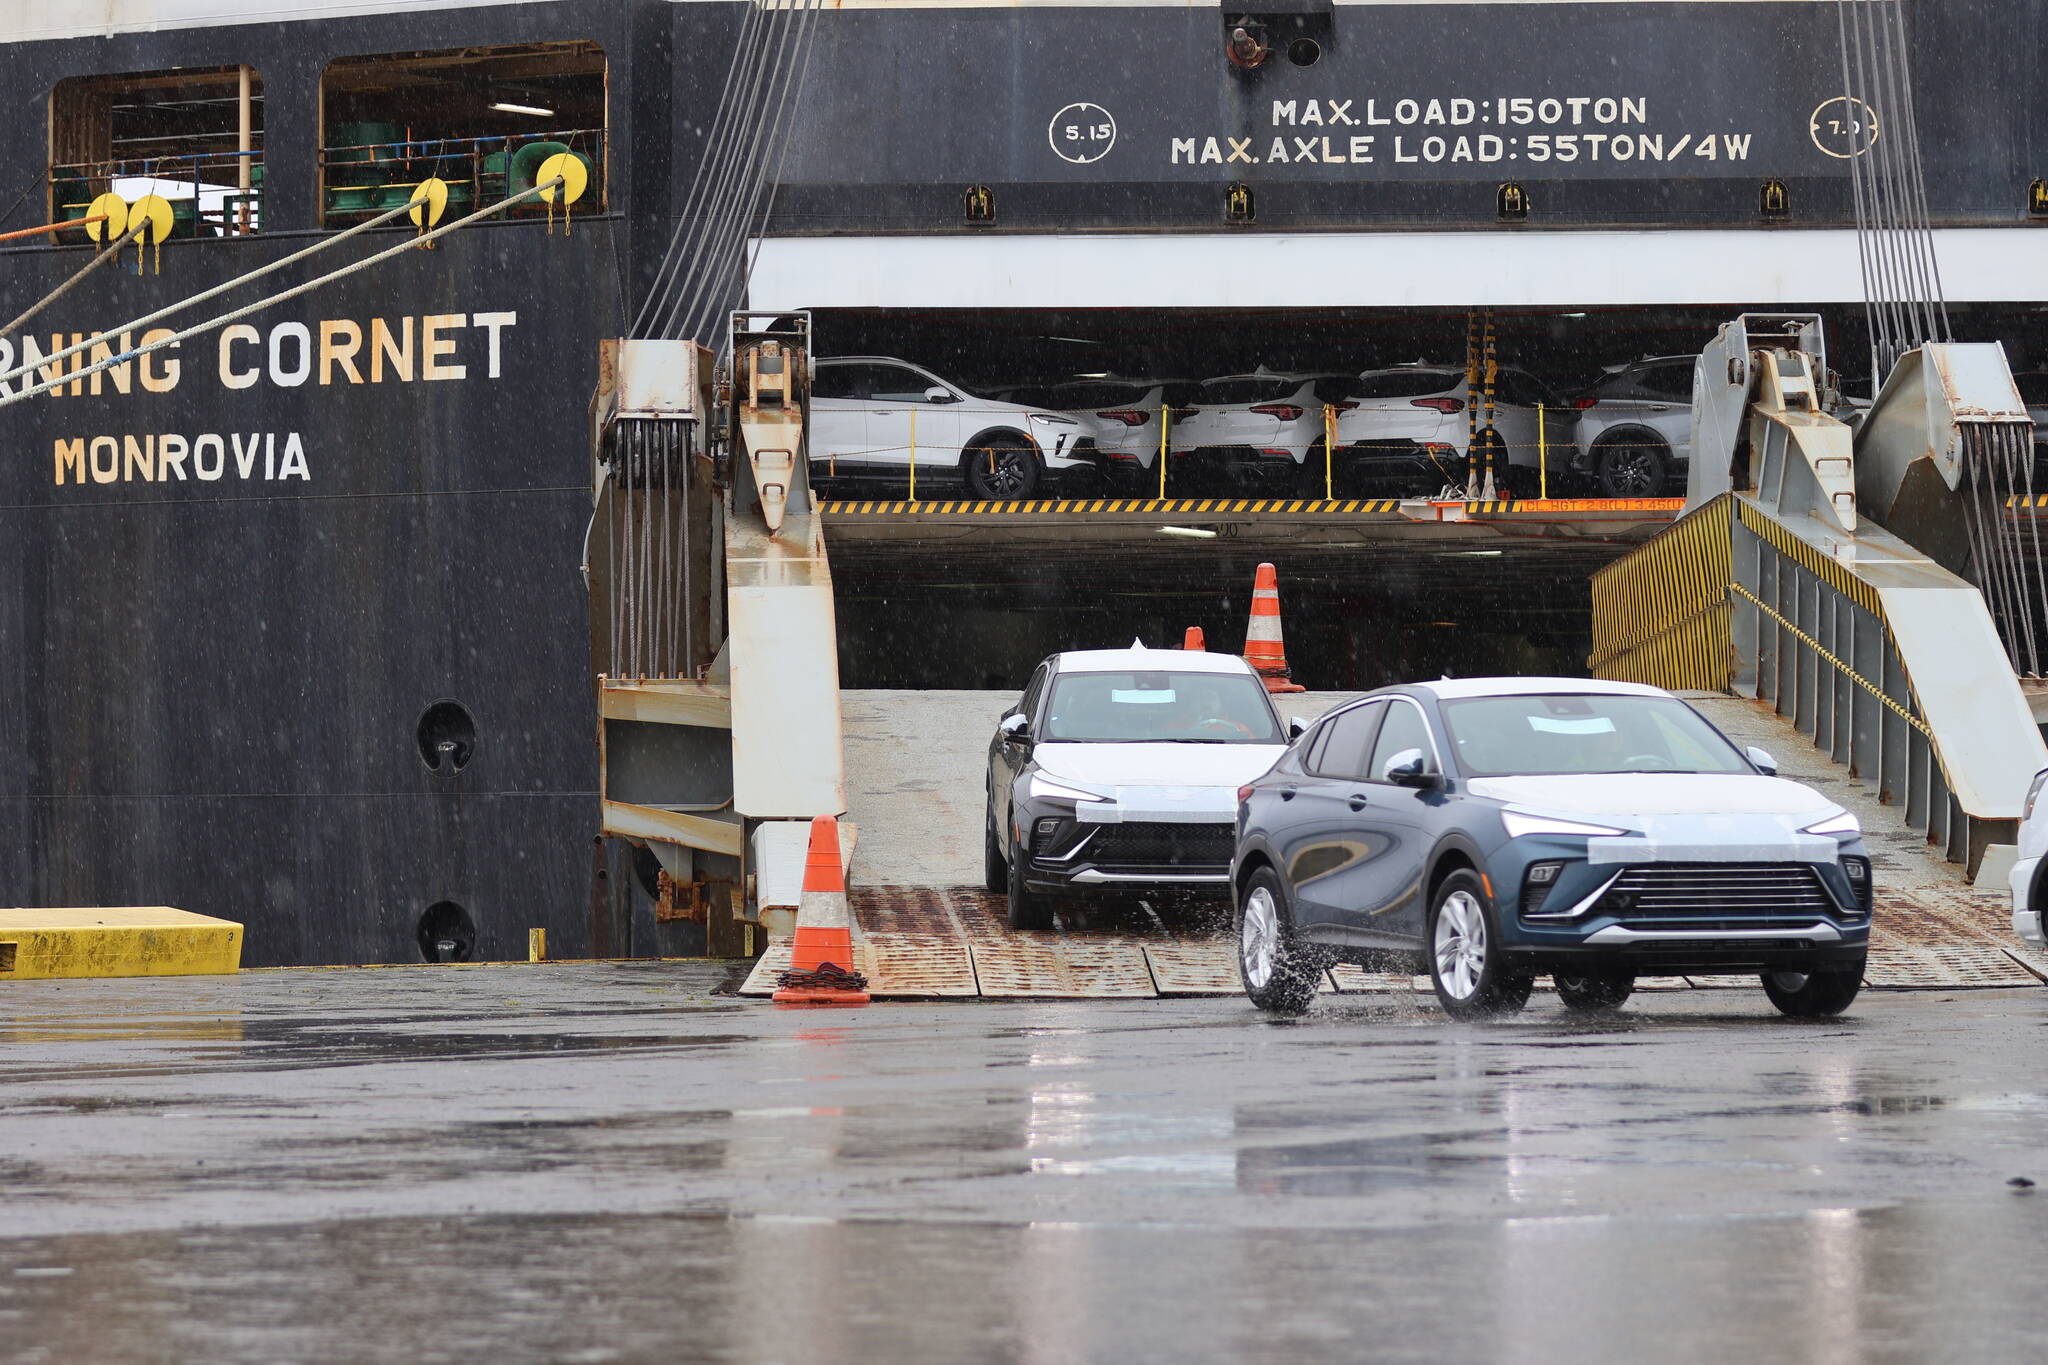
{"points": [[1440, 404], [1583, 403], [1128, 416], [1343, 405], [1244, 793], [1179, 413], [1286, 412]]}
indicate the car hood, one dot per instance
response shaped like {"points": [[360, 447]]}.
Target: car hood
{"points": [[1104, 766], [1622, 795], [1158, 782], [1681, 817]]}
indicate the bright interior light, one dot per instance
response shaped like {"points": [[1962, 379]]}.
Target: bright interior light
{"points": [[1191, 532], [533, 109], [1519, 825]]}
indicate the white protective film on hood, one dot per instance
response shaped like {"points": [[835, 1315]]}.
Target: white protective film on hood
{"points": [[1156, 782], [1680, 817]]}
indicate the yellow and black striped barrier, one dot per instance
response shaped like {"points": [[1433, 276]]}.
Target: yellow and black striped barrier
{"points": [[1421, 510]]}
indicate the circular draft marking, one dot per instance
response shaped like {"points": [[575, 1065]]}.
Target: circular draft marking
{"points": [[1843, 127], [1081, 133]]}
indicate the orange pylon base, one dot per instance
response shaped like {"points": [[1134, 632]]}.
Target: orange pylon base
{"points": [[1282, 685], [807, 996]]}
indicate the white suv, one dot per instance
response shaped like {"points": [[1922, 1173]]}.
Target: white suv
{"points": [[1404, 431], [1635, 427], [1252, 430], [873, 418], [1122, 416]]}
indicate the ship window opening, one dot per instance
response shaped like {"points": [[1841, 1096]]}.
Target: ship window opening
{"points": [[447, 737], [446, 933], [482, 119], [193, 135]]}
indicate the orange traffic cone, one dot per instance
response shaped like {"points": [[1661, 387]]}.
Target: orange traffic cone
{"points": [[1263, 647], [1193, 640], [821, 961]]}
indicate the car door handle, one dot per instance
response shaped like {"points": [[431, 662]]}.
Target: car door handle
{"points": [[1356, 801]]}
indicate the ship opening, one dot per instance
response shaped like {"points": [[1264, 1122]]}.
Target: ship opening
{"points": [[484, 120]]}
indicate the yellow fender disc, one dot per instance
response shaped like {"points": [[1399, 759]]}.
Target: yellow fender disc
{"points": [[429, 201], [156, 210], [116, 210], [575, 179]]}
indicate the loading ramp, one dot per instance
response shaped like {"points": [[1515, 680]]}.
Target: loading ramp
{"points": [[925, 929]]}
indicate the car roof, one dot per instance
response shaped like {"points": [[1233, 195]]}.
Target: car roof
{"points": [[1450, 688], [1148, 660]]}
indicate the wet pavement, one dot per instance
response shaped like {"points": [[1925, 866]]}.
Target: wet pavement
{"points": [[595, 1162]]}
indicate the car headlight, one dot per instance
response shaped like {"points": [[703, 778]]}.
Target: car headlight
{"points": [[1842, 823], [1046, 419], [1520, 825], [2033, 791], [1045, 789]]}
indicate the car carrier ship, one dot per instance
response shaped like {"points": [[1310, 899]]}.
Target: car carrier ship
{"points": [[291, 624]]}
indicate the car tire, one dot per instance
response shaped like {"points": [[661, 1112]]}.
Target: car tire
{"points": [[1028, 909], [1001, 467], [1465, 963], [995, 873], [1594, 992], [1814, 995], [1631, 465], [1280, 972]]}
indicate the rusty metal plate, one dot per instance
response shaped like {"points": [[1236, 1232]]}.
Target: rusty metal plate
{"points": [[906, 909], [1354, 980], [917, 966], [772, 963], [1931, 915], [2033, 959], [1194, 966], [1944, 965], [1026, 966]]}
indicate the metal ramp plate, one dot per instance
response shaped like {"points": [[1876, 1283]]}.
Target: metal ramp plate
{"points": [[1194, 966], [1944, 965], [1029, 966], [1351, 980], [919, 965]]}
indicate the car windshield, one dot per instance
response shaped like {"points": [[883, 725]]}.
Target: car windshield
{"points": [[1584, 733], [1141, 707]]}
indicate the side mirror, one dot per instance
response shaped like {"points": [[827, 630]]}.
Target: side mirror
{"points": [[1410, 768], [935, 394], [1296, 727], [1765, 764], [1016, 729]]}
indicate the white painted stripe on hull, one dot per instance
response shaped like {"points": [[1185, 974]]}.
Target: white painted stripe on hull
{"points": [[1364, 270]]}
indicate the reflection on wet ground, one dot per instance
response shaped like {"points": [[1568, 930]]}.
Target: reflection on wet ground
{"points": [[596, 1162]]}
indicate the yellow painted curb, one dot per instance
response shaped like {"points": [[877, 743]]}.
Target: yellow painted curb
{"points": [[145, 940]]}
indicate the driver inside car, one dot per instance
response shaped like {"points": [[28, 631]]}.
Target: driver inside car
{"points": [[1199, 710]]}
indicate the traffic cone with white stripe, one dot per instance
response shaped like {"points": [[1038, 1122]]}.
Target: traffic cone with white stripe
{"points": [[1263, 648], [821, 960]]}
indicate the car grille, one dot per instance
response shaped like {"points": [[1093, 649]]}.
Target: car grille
{"points": [[1733, 896], [1146, 844]]}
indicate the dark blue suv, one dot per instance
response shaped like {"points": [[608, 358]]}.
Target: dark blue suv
{"points": [[1489, 830]]}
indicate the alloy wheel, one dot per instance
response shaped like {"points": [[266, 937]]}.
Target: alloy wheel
{"points": [[1634, 473], [1258, 942], [1460, 944]]}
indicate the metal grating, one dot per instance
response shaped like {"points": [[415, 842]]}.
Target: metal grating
{"points": [[912, 966], [1194, 966], [1952, 965], [1031, 966], [1352, 980]]}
